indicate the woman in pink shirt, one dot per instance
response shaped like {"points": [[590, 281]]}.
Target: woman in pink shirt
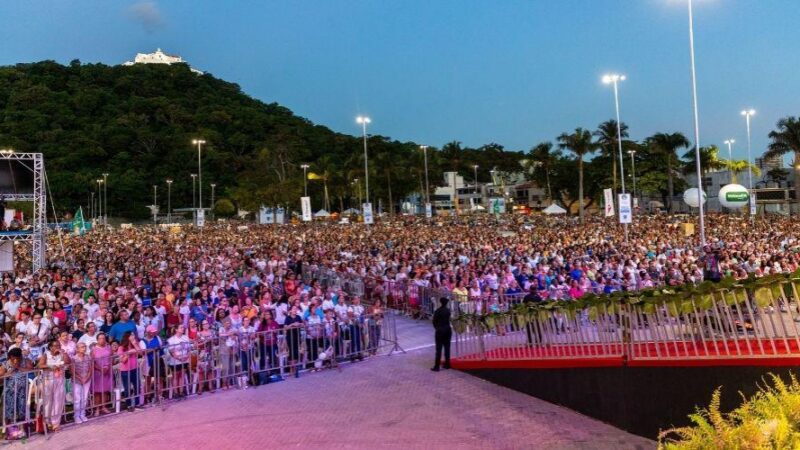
{"points": [[575, 291], [129, 368]]}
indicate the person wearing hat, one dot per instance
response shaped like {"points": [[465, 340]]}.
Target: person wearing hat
{"points": [[441, 323]]}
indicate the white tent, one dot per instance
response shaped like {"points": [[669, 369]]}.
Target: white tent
{"points": [[351, 211], [554, 209], [322, 213]]}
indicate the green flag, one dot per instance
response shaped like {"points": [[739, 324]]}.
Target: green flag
{"points": [[78, 224]]}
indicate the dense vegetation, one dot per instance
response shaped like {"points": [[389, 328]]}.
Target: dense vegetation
{"points": [[137, 123]]}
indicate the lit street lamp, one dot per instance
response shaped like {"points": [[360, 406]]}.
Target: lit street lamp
{"points": [[169, 200], [748, 113], [305, 180], [363, 121], [614, 79], [696, 128], [730, 143]]}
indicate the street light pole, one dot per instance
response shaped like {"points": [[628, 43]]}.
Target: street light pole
{"points": [[155, 203], [363, 120], [199, 143], [696, 128], [475, 167], [427, 188], [615, 79], [169, 200], [305, 180], [105, 199], [633, 170], [194, 198], [100, 199], [213, 186], [730, 143], [748, 113]]}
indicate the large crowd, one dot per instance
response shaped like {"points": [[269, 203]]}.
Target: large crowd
{"points": [[149, 311]]}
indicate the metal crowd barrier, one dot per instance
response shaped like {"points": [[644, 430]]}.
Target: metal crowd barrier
{"points": [[173, 372], [758, 323]]}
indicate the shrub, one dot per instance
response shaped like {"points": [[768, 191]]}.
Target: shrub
{"points": [[768, 419]]}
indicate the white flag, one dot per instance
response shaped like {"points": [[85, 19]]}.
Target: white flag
{"points": [[609, 201]]}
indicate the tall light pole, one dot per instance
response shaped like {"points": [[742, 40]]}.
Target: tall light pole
{"points": [[100, 199], [169, 200], [363, 121], [213, 186], [633, 170], [475, 168], [199, 143], [427, 188], [105, 199], [155, 203], [194, 179], [614, 79], [696, 128], [730, 143], [748, 113], [305, 180]]}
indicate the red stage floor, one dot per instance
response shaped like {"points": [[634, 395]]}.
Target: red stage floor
{"points": [[741, 352]]}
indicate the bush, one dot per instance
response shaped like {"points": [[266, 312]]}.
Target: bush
{"points": [[769, 419], [224, 208]]}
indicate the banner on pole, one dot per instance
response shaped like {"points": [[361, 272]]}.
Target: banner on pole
{"points": [[201, 217], [497, 206], [305, 206], [367, 209], [428, 210], [753, 204], [625, 214], [609, 202]]}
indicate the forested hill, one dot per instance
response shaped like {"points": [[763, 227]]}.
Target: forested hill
{"points": [[137, 123]]}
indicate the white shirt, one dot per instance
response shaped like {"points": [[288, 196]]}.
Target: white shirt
{"points": [[11, 308], [88, 340]]}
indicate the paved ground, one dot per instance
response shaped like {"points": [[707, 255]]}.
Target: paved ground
{"points": [[386, 402]]}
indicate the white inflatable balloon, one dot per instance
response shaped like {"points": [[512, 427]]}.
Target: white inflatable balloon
{"points": [[734, 196], [690, 197]]}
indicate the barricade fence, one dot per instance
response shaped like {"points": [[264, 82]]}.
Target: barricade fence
{"points": [[408, 296], [99, 382], [759, 322]]}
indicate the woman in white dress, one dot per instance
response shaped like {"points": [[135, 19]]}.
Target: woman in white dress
{"points": [[53, 361]]}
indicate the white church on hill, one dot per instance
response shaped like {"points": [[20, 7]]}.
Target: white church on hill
{"points": [[158, 57]]}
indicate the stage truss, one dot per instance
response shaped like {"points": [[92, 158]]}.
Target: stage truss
{"points": [[37, 236]]}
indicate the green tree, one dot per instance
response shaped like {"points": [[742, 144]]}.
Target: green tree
{"points": [[786, 139], [607, 141], [540, 160], [666, 145], [581, 145], [224, 208]]}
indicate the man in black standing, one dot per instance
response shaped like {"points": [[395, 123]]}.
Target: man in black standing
{"points": [[441, 323]]}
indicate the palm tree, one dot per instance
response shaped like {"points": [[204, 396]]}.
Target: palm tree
{"points": [[606, 134], [580, 143], [709, 160], [786, 139], [736, 166], [323, 169], [542, 156], [666, 144]]}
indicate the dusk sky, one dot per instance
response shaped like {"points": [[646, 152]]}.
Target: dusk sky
{"points": [[511, 72]]}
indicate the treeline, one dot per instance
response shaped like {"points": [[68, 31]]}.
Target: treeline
{"points": [[137, 123]]}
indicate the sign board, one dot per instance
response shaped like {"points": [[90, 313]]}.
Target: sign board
{"points": [[265, 216], [608, 195], [428, 210], [201, 217], [305, 206], [625, 213], [753, 204], [367, 209], [497, 205], [280, 214]]}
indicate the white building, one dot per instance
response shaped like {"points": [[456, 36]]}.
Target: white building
{"points": [[158, 57]]}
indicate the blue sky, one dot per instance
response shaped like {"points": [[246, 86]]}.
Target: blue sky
{"points": [[507, 71]]}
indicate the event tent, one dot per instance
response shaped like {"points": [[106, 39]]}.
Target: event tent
{"points": [[554, 209], [322, 213]]}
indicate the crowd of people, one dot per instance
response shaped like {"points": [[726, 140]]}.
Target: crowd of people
{"points": [[140, 308]]}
